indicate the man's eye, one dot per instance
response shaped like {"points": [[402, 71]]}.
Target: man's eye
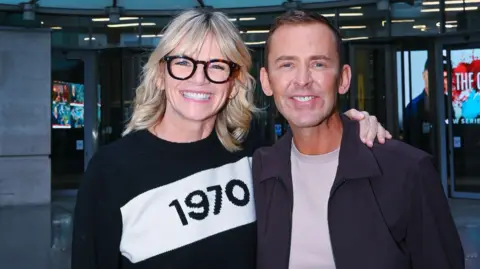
{"points": [[287, 65], [318, 64]]}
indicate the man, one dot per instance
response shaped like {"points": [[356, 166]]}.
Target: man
{"points": [[323, 198], [418, 113]]}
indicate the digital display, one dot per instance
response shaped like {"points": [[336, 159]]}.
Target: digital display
{"points": [[67, 105]]}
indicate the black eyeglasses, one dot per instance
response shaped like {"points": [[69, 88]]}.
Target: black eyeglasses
{"points": [[216, 71]]}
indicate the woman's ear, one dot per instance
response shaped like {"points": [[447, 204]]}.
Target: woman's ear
{"points": [[160, 80], [234, 90]]}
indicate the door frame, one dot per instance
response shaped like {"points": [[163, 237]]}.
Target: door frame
{"points": [[91, 128], [389, 47], [446, 156]]}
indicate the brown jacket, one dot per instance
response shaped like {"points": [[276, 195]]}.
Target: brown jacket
{"points": [[386, 210]]}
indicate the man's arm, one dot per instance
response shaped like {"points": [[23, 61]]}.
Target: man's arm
{"points": [[432, 237], [96, 228]]}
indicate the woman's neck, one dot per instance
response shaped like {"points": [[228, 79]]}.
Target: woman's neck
{"points": [[180, 130]]}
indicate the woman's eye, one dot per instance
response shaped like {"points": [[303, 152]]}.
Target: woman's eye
{"points": [[217, 66], [184, 63]]}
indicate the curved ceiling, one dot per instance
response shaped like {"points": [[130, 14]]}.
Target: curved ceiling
{"points": [[158, 5]]}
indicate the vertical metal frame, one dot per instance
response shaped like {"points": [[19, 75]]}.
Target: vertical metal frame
{"points": [[391, 89], [437, 102], [353, 84], [402, 90], [90, 139], [441, 44], [390, 80]]}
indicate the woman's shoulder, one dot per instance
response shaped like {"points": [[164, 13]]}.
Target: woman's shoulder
{"points": [[117, 153]]}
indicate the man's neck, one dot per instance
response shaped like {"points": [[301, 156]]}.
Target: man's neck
{"points": [[320, 139]]}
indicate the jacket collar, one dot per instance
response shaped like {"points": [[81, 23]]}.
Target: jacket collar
{"points": [[356, 159]]}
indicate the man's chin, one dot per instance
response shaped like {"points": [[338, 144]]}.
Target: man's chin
{"points": [[301, 124]]}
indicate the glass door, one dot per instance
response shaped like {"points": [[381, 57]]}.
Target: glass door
{"points": [[75, 116], [67, 121], [414, 111], [459, 74], [374, 82]]}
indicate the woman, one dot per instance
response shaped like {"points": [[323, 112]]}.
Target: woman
{"points": [[174, 193]]}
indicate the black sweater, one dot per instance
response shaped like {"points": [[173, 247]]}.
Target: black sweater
{"points": [[149, 203]]}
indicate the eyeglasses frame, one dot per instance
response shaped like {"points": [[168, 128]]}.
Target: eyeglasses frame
{"points": [[234, 67]]}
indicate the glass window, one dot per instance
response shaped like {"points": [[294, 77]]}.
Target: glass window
{"points": [[361, 22], [461, 15], [414, 21]]}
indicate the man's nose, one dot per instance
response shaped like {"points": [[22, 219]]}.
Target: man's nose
{"points": [[303, 76]]}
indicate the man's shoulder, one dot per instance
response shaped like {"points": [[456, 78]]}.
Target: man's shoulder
{"points": [[263, 151], [396, 155], [269, 152], [266, 160]]}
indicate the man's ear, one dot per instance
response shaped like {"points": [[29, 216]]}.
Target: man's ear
{"points": [[345, 78], [264, 80]]}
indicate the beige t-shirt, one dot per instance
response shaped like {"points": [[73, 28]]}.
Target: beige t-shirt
{"points": [[313, 177]]}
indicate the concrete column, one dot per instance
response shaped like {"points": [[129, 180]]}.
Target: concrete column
{"points": [[25, 116]]}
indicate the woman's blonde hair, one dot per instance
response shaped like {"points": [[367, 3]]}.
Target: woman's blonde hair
{"points": [[191, 28]]}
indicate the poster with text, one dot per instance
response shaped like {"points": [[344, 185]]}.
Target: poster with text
{"points": [[466, 86], [465, 66]]}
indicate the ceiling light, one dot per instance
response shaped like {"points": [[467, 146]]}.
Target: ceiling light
{"points": [[255, 43], [88, 38], [150, 36], [247, 19], [121, 18], [451, 24], [397, 21], [449, 2], [130, 24], [353, 27], [350, 14], [355, 38], [356, 8], [258, 31], [419, 26], [449, 9], [330, 15], [56, 28]]}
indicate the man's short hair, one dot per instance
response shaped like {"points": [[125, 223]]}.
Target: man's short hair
{"points": [[298, 17]]}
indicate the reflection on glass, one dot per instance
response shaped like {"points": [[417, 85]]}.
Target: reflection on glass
{"points": [[360, 22], [417, 114]]}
